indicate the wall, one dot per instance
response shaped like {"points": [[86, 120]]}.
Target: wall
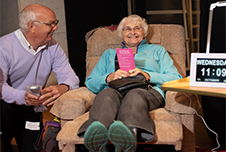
{"points": [[8, 21]]}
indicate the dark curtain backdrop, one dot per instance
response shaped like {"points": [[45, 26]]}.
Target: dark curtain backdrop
{"points": [[213, 107], [218, 34], [139, 8], [83, 16]]}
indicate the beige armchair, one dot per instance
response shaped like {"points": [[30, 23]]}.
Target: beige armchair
{"points": [[174, 123]]}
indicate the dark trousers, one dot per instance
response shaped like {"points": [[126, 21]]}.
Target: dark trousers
{"points": [[14, 118], [132, 110]]}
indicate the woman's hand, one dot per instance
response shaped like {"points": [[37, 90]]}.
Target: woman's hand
{"points": [[135, 71], [117, 75], [121, 73]]}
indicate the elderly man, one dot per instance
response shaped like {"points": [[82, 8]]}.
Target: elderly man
{"points": [[27, 57]]}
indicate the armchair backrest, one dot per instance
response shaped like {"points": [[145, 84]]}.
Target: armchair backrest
{"points": [[171, 36]]}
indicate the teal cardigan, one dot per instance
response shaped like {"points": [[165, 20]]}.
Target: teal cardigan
{"points": [[150, 58]]}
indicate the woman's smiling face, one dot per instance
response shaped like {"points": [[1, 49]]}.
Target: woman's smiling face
{"points": [[133, 34]]}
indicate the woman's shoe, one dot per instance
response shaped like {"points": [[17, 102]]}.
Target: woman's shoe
{"points": [[122, 137], [96, 137]]}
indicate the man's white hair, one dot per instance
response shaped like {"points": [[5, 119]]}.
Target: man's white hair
{"points": [[25, 17]]}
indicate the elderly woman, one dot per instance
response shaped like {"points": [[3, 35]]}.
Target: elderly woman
{"points": [[124, 120]]}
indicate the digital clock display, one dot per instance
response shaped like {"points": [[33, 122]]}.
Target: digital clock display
{"points": [[211, 70], [208, 70]]}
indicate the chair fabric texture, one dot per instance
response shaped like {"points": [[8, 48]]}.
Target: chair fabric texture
{"points": [[174, 123]]}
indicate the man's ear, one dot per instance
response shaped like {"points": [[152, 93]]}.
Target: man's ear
{"points": [[31, 26]]}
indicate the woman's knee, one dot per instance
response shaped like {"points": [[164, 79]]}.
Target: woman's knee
{"points": [[108, 92], [134, 93], [135, 96], [108, 95]]}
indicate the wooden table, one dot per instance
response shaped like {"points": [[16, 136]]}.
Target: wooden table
{"points": [[182, 85]]}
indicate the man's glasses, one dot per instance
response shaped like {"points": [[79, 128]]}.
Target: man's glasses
{"points": [[52, 24], [135, 29]]}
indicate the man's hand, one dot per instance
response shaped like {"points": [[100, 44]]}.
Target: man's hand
{"points": [[51, 93], [32, 100]]}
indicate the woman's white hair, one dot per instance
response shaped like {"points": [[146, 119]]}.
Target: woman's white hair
{"points": [[133, 18], [25, 17]]}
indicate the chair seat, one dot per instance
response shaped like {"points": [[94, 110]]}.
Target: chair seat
{"points": [[168, 130]]}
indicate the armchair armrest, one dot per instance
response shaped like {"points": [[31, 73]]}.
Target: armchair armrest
{"points": [[182, 103], [73, 103]]}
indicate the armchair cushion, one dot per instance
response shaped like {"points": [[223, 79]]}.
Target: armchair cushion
{"points": [[101, 40], [179, 102], [68, 133], [73, 103]]}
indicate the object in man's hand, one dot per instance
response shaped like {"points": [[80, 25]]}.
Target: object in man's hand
{"points": [[35, 90]]}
